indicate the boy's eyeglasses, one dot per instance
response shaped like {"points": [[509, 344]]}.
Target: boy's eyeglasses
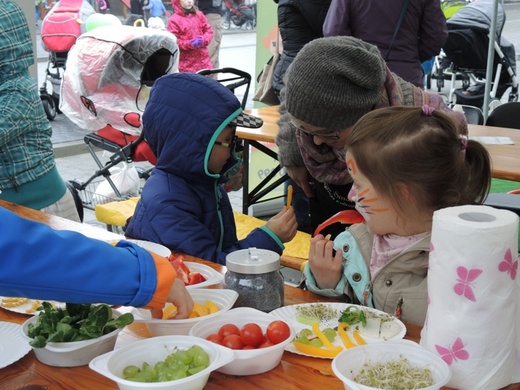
{"points": [[230, 145], [324, 135]]}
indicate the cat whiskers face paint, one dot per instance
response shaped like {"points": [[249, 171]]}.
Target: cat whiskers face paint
{"points": [[364, 200]]}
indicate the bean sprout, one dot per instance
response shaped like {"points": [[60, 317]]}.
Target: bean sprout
{"points": [[395, 375]]}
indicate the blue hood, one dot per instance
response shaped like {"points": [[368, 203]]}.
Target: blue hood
{"points": [[184, 116]]}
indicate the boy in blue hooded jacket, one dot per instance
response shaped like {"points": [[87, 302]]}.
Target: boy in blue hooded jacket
{"points": [[189, 123]]}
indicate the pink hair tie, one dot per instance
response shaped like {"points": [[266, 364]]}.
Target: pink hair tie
{"points": [[427, 110]]}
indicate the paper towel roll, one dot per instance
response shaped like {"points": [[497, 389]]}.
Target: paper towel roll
{"points": [[473, 318]]}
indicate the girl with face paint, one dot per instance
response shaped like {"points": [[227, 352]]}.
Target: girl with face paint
{"points": [[418, 164]]}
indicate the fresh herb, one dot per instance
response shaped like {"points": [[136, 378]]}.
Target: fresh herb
{"points": [[353, 315], [74, 323]]}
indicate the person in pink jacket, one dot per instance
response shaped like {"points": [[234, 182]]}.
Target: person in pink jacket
{"points": [[193, 33]]}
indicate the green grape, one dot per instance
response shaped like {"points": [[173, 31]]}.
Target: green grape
{"points": [[316, 343], [330, 334], [201, 359], [130, 371], [183, 357], [306, 333], [179, 374], [159, 366], [302, 339], [194, 370], [177, 365]]}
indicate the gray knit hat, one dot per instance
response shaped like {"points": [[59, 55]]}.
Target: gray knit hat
{"points": [[334, 81]]}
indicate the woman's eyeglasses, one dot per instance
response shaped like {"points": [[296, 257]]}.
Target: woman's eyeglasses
{"points": [[324, 135], [230, 145]]}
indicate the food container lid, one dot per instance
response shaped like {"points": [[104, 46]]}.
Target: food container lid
{"points": [[253, 261]]}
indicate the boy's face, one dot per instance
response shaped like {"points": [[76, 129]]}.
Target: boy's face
{"points": [[220, 153]]}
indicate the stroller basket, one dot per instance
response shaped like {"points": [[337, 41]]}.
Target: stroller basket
{"points": [[90, 198]]}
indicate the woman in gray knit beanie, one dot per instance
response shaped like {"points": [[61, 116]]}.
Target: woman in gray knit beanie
{"points": [[331, 84]]}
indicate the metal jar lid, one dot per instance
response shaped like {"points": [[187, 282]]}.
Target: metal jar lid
{"points": [[253, 261]]}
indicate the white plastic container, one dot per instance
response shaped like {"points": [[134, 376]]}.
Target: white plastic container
{"points": [[154, 350], [247, 361], [213, 278], [349, 362], [74, 353], [223, 298]]}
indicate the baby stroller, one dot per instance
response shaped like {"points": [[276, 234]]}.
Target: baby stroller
{"points": [[60, 28], [240, 13], [467, 47], [106, 84], [441, 69]]}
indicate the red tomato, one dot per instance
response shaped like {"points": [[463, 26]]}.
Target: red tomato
{"points": [[278, 331], [183, 272], [252, 335], [228, 329], [233, 341], [266, 344], [215, 337], [195, 278]]}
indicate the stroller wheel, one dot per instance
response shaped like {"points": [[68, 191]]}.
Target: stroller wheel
{"points": [[429, 81], [48, 106]]}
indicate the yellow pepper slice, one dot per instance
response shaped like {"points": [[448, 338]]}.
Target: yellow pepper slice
{"points": [[324, 339], [344, 336], [315, 351], [169, 312], [359, 339]]}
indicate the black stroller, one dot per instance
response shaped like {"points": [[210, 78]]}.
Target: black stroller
{"points": [[467, 47]]}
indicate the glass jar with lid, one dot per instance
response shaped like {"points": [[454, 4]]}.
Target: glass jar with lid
{"points": [[255, 275]]}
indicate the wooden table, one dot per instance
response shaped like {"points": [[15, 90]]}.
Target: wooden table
{"points": [[294, 372], [505, 158]]}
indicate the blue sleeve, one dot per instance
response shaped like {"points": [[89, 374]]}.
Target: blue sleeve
{"points": [[41, 263], [310, 282]]}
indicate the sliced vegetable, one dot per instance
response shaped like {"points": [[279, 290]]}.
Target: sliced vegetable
{"points": [[315, 351], [324, 339], [344, 336], [359, 339]]}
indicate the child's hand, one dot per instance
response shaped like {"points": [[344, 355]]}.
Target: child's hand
{"points": [[197, 42], [325, 267], [181, 298], [284, 224]]}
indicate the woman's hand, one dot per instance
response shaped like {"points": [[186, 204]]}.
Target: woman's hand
{"points": [[326, 267], [302, 177]]}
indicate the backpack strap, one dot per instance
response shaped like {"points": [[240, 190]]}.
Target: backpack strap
{"points": [[397, 27]]}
